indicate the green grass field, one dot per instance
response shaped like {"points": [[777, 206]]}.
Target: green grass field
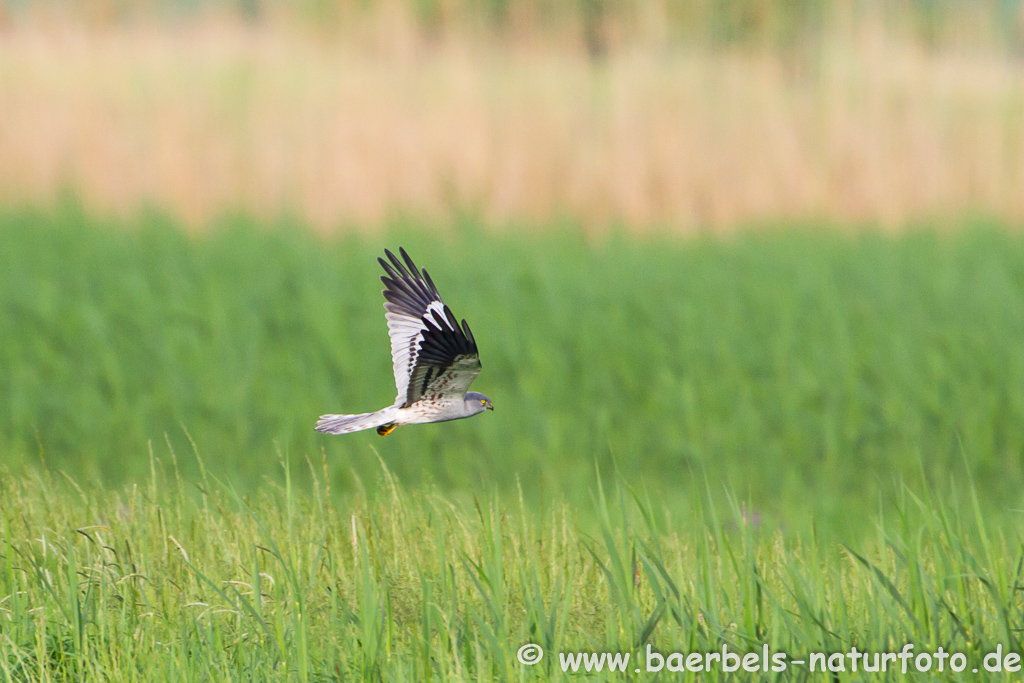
{"points": [[159, 582], [806, 439]]}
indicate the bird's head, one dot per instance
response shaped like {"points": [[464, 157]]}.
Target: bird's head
{"points": [[477, 402]]}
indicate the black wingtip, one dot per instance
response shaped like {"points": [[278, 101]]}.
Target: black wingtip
{"points": [[432, 323], [469, 334], [399, 266], [387, 268], [430, 283], [452, 321], [408, 261]]}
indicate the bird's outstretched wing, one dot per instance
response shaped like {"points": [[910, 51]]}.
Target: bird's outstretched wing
{"points": [[427, 344], [447, 363]]}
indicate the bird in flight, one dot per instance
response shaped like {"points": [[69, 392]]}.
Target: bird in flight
{"points": [[435, 360]]}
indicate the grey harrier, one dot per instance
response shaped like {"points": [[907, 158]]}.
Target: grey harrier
{"points": [[435, 360]]}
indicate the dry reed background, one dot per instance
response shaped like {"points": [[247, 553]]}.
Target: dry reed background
{"points": [[218, 113]]}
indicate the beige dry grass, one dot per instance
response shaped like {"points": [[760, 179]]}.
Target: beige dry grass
{"points": [[214, 115]]}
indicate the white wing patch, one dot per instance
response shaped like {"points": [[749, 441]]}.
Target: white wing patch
{"points": [[426, 339], [406, 334]]}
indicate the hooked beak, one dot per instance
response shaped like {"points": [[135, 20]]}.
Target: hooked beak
{"points": [[489, 406]]}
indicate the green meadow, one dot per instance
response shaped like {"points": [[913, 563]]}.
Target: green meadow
{"points": [[180, 580], [797, 437], [805, 373]]}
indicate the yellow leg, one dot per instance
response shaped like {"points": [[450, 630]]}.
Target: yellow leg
{"points": [[384, 430]]}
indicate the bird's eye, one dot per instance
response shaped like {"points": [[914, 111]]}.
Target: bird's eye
{"points": [[482, 401]]}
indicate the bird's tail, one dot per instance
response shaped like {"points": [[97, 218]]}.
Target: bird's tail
{"points": [[344, 424]]}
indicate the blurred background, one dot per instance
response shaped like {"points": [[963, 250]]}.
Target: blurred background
{"points": [[683, 116], [750, 246]]}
